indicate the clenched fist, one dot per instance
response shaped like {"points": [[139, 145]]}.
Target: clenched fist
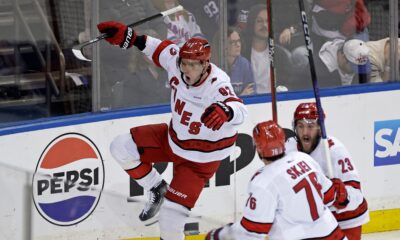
{"points": [[118, 34], [216, 115], [341, 196]]}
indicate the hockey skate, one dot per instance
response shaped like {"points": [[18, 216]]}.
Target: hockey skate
{"points": [[149, 215]]}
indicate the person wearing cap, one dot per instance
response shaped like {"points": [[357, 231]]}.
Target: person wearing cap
{"points": [[287, 197], [344, 61], [379, 56], [308, 140], [333, 19]]}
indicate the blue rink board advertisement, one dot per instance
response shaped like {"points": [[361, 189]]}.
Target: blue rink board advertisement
{"points": [[387, 143]]}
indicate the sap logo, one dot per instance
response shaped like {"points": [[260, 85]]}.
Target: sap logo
{"points": [[68, 180], [387, 143]]}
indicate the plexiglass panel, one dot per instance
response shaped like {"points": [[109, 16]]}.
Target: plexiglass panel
{"points": [[353, 42]]}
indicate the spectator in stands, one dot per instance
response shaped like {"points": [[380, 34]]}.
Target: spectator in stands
{"points": [[242, 9], [343, 19], [329, 20], [207, 15], [342, 62], [239, 68], [289, 28], [379, 56], [290, 45], [256, 49], [181, 25]]}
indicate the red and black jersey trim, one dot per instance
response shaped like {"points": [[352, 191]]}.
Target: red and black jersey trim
{"points": [[140, 171], [354, 184], [348, 215], [201, 145], [255, 227], [159, 49], [336, 234], [233, 99]]}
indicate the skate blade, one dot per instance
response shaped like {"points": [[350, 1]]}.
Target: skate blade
{"points": [[151, 221]]}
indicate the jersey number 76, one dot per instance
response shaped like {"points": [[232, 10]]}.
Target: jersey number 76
{"points": [[305, 184]]}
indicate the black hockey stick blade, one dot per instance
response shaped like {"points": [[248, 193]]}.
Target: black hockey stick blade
{"points": [[77, 50]]}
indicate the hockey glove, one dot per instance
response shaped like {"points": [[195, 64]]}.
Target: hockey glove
{"points": [[341, 196], [216, 115], [119, 33], [215, 234]]}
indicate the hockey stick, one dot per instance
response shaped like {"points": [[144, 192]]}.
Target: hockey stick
{"points": [[321, 121], [271, 46], [77, 49], [234, 183]]}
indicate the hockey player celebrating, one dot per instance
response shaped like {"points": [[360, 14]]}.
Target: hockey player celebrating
{"points": [[287, 196], [307, 140], [206, 114]]}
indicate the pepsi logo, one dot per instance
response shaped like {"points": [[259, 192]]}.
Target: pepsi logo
{"points": [[68, 180]]}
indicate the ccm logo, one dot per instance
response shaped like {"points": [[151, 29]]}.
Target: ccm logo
{"points": [[387, 143]]}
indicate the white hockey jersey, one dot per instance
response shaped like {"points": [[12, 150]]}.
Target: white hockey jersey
{"points": [[356, 213], [180, 29], [188, 137], [286, 202]]}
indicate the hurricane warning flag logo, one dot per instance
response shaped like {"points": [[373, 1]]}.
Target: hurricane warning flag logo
{"points": [[68, 180]]}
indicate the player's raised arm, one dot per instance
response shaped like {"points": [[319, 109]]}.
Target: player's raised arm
{"points": [[125, 37]]}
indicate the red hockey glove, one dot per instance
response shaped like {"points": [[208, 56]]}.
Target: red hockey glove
{"points": [[216, 115], [119, 33], [341, 197]]}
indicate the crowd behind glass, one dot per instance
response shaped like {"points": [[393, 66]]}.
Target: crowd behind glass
{"points": [[351, 45]]}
